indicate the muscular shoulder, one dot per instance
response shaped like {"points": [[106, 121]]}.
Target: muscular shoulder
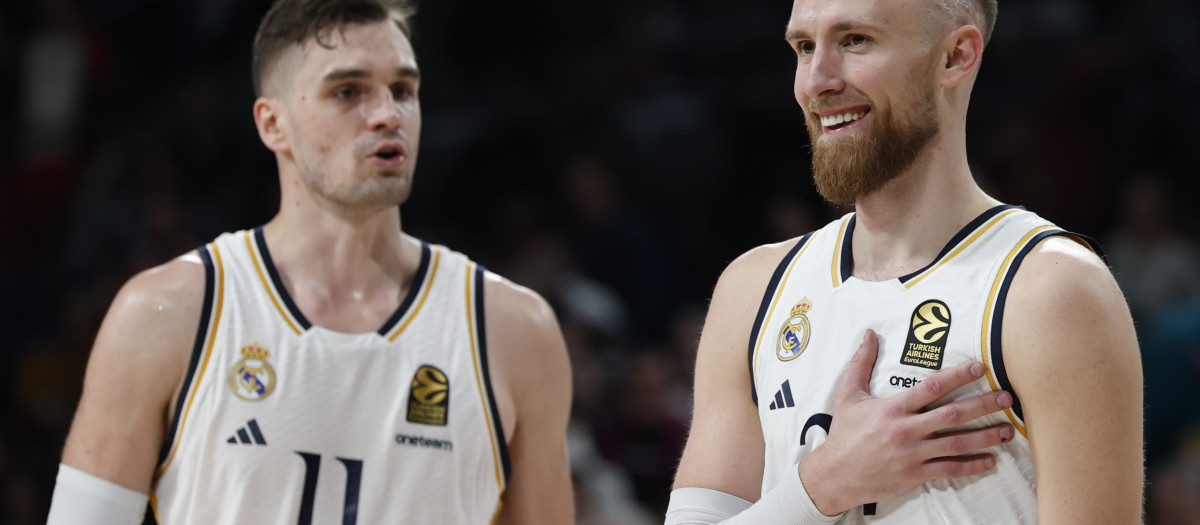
{"points": [[1060, 271], [159, 299], [523, 336], [154, 316], [517, 310], [740, 289], [1065, 307], [122, 416]]}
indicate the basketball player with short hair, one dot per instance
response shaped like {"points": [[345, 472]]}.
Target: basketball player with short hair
{"points": [[998, 380], [326, 367]]}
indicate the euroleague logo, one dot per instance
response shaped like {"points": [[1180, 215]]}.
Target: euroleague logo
{"points": [[429, 397], [927, 335]]}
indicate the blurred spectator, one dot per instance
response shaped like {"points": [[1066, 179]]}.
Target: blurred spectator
{"points": [[1173, 496], [643, 433], [53, 85], [1156, 267]]}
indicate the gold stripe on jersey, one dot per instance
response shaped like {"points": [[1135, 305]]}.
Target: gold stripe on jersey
{"points": [[762, 330], [985, 333], [962, 246], [479, 381], [837, 253], [254, 255], [212, 337], [428, 284]]}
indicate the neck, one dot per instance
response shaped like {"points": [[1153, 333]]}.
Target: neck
{"points": [[904, 226], [347, 270]]}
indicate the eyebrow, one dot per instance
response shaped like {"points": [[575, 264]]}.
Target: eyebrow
{"points": [[845, 25], [360, 74]]}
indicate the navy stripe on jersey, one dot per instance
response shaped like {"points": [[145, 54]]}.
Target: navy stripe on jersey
{"points": [[261, 241], [962, 234], [1002, 297], [414, 288], [206, 313], [481, 334], [846, 265], [1094, 245], [766, 305]]}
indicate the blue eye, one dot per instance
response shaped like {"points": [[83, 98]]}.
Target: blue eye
{"points": [[858, 40], [806, 47]]}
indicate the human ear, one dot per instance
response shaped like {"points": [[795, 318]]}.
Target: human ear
{"points": [[963, 51], [268, 120]]}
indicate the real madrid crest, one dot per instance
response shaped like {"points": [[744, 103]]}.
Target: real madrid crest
{"points": [[252, 378], [793, 337]]}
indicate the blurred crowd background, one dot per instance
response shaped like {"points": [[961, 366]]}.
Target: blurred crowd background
{"points": [[613, 155]]}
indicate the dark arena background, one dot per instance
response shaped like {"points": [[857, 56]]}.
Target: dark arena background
{"points": [[612, 155]]}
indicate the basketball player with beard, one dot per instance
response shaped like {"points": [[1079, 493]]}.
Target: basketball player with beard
{"points": [[997, 376], [326, 367]]}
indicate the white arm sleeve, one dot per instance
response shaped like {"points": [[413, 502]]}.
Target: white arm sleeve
{"points": [[786, 504], [80, 497]]}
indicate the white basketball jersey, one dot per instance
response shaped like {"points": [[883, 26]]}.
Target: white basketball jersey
{"points": [[283, 422], [813, 317]]}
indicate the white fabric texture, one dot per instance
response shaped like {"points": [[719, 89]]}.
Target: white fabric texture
{"points": [[786, 504], [80, 497]]}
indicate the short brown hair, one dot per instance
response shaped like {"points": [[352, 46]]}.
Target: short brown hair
{"points": [[292, 22], [988, 9]]}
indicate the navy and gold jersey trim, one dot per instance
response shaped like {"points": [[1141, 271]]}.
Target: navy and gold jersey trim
{"points": [[843, 262], [481, 335], [210, 318], [478, 336], [843, 257], [419, 291], [770, 297], [992, 348], [273, 287], [197, 351], [960, 241], [295, 319], [261, 241], [414, 290]]}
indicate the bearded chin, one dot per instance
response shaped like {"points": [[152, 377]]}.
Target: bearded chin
{"points": [[849, 168]]}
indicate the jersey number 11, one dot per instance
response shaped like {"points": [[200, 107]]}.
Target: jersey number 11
{"points": [[312, 467]]}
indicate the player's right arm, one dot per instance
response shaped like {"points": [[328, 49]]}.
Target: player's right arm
{"points": [[876, 449], [725, 447], [136, 367]]}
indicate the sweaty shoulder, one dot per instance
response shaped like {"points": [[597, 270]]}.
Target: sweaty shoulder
{"points": [[123, 414], [164, 301], [154, 318]]}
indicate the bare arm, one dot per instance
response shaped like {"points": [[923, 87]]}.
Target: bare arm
{"points": [[724, 412], [137, 363], [1072, 357], [529, 359], [877, 448]]}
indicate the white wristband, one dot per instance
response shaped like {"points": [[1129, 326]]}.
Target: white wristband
{"points": [[786, 504], [80, 497]]}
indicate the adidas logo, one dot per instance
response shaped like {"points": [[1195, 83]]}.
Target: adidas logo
{"points": [[248, 435], [783, 397]]}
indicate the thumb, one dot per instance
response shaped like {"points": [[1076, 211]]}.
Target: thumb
{"points": [[858, 376]]}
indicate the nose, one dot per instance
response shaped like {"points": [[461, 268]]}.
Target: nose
{"points": [[823, 74], [383, 113]]}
